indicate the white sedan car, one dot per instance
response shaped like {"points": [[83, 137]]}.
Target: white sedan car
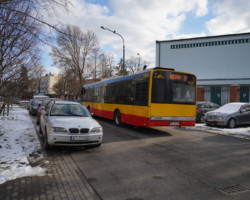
{"points": [[65, 123]]}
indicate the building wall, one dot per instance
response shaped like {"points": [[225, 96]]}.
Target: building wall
{"points": [[200, 94], [207, 61], [218, 62], [47, 83]]}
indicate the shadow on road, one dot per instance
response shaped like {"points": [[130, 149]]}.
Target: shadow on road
{"points": [[114, 133]]}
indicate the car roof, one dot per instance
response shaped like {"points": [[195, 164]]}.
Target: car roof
{"points": [[204, 102], [65, 102], [238, 103]]}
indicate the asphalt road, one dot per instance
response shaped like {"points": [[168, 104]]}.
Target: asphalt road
{"points": [[168, 163]]}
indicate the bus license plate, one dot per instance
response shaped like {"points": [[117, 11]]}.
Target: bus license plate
{"points": [[174, 123], [79, 138]]}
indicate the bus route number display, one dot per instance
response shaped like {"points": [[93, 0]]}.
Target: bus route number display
{"points": [[178, 77]]}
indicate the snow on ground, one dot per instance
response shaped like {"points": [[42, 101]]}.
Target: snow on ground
{"points": [[19, 146], [240, 132]]}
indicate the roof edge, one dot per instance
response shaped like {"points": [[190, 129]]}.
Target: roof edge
{"points": [[204, 37]]}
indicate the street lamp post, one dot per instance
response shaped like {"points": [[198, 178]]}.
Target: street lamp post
{"points": [[123, 63], [139, 62]]}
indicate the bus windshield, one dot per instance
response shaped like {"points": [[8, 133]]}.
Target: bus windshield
{"points": [[173, 88]]}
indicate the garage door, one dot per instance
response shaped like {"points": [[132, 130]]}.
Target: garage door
{"points": [[244, 93]]}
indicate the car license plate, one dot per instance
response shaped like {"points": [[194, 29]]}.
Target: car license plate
{"points": [[174, 123], [79, 138]]}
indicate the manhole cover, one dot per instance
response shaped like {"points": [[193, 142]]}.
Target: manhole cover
{"points": [[233, 189]]}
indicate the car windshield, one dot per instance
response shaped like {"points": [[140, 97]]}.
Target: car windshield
{"points": [[229, 108], [45, 102], [38, 101], [69, 110], [198, 105]]}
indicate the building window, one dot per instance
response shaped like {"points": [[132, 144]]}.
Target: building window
{"points": [[212, 43]]}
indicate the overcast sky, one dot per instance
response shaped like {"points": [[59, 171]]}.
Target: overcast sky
{"points": [[142, 22]]}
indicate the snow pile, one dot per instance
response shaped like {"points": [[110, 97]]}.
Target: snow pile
{"points": [[240, 132], [19, 146]]}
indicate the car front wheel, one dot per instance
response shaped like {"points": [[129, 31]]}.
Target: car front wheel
{"points": [[45, 141], [231, 123]]}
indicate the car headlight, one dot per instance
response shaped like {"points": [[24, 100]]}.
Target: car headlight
{"points": [[221, 118], [96, 129], [59, 129]]}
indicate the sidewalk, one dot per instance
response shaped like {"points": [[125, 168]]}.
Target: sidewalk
{"points": [[63, 179], [63, 182]]}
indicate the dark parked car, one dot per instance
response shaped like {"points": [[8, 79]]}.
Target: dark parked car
{"points": [[28, 104], [230, 115], [34, 105], [202, 108]]}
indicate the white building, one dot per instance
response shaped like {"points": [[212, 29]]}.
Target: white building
{"points": [[47, 83], [221, 64]]}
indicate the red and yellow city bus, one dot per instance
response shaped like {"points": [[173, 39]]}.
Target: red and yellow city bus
{"points": [[154, 97]]}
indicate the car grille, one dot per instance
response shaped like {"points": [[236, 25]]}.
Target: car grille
{"points": [[84, 130], [77, 130], [213, 117], [74, 130]]}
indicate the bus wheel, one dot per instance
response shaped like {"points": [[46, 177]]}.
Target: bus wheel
{"points": [[117, 118]]}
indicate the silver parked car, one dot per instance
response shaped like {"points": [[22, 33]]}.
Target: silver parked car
{"points": [[69, 123], [229, 115]]}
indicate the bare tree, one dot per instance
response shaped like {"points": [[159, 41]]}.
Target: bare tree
{"points": [[20, 26], [67, 85], [75, 50], [37, 72], [105, 65], [17, 46], [135, 64], [20, 32]]}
